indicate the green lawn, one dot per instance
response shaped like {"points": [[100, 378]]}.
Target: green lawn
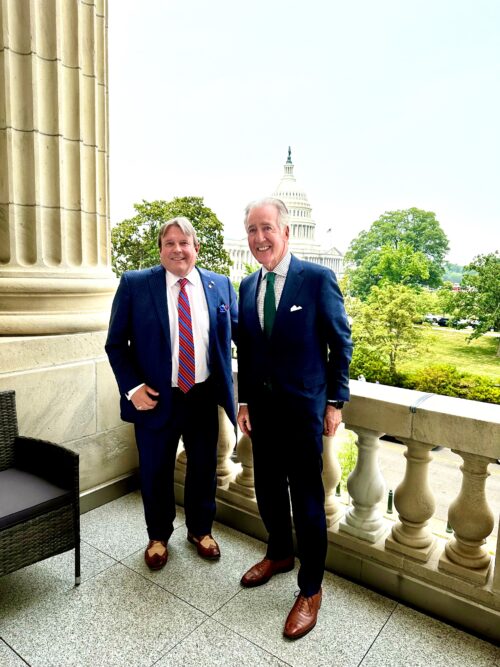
{"points": [[448, 346]]}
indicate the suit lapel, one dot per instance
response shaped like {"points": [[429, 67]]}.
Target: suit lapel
{"points": [[212, 296], [158, 287], [253, 313], [293, 283]]}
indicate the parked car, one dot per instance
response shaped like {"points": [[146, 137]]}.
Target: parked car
{"points": [[428, 319], [443, 321], [459, 324]]}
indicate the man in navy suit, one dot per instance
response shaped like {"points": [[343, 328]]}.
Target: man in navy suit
{"points": [[294, 350], [169, 390]]}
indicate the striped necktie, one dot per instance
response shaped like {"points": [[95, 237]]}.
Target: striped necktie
{"points": [[186, 376], [269, 304]]}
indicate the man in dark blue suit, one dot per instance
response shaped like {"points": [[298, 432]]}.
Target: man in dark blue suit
{"points": [[294, 350], [169, 345]]}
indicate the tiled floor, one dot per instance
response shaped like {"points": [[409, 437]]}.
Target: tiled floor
{"points": [[194, 613]]}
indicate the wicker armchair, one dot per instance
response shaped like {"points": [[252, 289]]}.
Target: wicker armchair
{"points": [[39, 496]]}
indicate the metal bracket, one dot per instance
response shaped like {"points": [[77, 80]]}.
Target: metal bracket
{"points": [[413, 408]]}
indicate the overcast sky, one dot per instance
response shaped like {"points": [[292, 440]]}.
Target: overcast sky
{"points": [[387, 104]]}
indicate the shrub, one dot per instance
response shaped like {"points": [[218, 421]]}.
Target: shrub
{"points": [[447, 380], [347, 455]]}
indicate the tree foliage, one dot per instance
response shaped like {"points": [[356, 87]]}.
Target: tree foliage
{"points": [[405, 247], [383, 330], [134, 242], [453, 273], [480, 296]]}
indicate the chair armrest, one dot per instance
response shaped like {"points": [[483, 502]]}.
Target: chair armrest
{"points": [[48, 460]]}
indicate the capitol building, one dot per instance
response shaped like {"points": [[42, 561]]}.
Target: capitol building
{"points": [[302, 231]]}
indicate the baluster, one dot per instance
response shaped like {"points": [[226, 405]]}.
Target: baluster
{"points": [[180, 464], [472, 521], [366, 488], [415, 504], [332, 473], [244, 484], [496, 574], [226, 469]]}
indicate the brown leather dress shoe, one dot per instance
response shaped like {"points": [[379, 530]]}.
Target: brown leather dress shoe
{"points": [[261, 572], [303, 616], [206, 546], [156, 554]]}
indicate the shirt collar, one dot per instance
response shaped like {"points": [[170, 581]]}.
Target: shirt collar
{"points": [[193, 277], [281, 269]]}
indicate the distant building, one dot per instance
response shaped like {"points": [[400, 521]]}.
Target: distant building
{"points": [[302, 231]]}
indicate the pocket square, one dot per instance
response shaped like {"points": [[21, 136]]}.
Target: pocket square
{"points": [[294, 308]]}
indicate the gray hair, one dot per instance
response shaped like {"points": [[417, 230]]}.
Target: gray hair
{"points": [[279, 205], [185, 225]]}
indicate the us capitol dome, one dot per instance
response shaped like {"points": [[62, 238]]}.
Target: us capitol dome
{"points": [[302, 231]]}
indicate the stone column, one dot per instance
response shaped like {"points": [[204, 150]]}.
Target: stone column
{"points": [[496, 574], [366, 487], [472, 521], [244, 482], [332, 473], [415, 504], [226, 468], [55, 269]]}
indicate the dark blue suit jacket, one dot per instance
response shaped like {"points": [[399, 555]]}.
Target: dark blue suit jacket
{"points": [[138, 342], [308, 354]]}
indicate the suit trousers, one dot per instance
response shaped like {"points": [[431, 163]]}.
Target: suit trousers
{"points": [[287, 450], [194, 416]]}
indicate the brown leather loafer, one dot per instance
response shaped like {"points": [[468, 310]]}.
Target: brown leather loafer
{"points": [[303, 616], [261, 572], [158, 556], [206, 546]]}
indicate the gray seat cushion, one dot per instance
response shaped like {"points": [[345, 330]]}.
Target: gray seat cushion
{"points": [[24, 496]]}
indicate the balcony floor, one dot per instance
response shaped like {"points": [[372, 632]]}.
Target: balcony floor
{"points": [[196, 613]]}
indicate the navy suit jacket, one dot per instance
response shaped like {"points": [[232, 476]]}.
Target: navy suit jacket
{"points": [[308, 354], [138, 342]]}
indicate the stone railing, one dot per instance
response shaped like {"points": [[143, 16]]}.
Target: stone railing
{"points": [[454, 578]]}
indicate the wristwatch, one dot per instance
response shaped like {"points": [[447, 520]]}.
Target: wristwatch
{"points": [[336, 404]]}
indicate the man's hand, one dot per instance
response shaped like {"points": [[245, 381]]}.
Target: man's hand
{"points": [[142, 399], [244, 420], [331, 420]]}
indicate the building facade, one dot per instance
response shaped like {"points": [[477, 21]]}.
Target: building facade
{"points": [[303, 243]]}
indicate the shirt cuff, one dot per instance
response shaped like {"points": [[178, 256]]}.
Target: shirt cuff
{"points": [[130, 393]]}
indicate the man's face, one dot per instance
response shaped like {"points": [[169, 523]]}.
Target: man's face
{"points": [[267, 241], [178, 253]]}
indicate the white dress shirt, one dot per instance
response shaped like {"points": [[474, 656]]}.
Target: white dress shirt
{"points": [[199, 319], [200, 322]]}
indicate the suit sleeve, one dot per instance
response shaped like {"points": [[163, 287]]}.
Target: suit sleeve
{"points": [[118, 343], [338, 337]]}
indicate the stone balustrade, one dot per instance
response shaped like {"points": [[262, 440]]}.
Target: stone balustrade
{"points": [[454, 578]]}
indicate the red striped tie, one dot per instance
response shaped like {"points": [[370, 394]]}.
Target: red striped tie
{"points": [[186, 377]]}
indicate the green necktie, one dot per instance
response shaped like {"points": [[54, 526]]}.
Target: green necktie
{"points": [[269, 304]]}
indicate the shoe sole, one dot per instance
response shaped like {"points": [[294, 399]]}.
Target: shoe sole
{"points": [[154, 568], [261, 582], [157, 567], [302, 634]]}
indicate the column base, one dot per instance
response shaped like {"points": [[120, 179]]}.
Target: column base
{"points": [[421, 554], [479, 576], [362, 533]]}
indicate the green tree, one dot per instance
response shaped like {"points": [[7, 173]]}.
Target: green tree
{"points": [[406, 247], [479, 298], [383, 330], [134, 242], [453, 273]]}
